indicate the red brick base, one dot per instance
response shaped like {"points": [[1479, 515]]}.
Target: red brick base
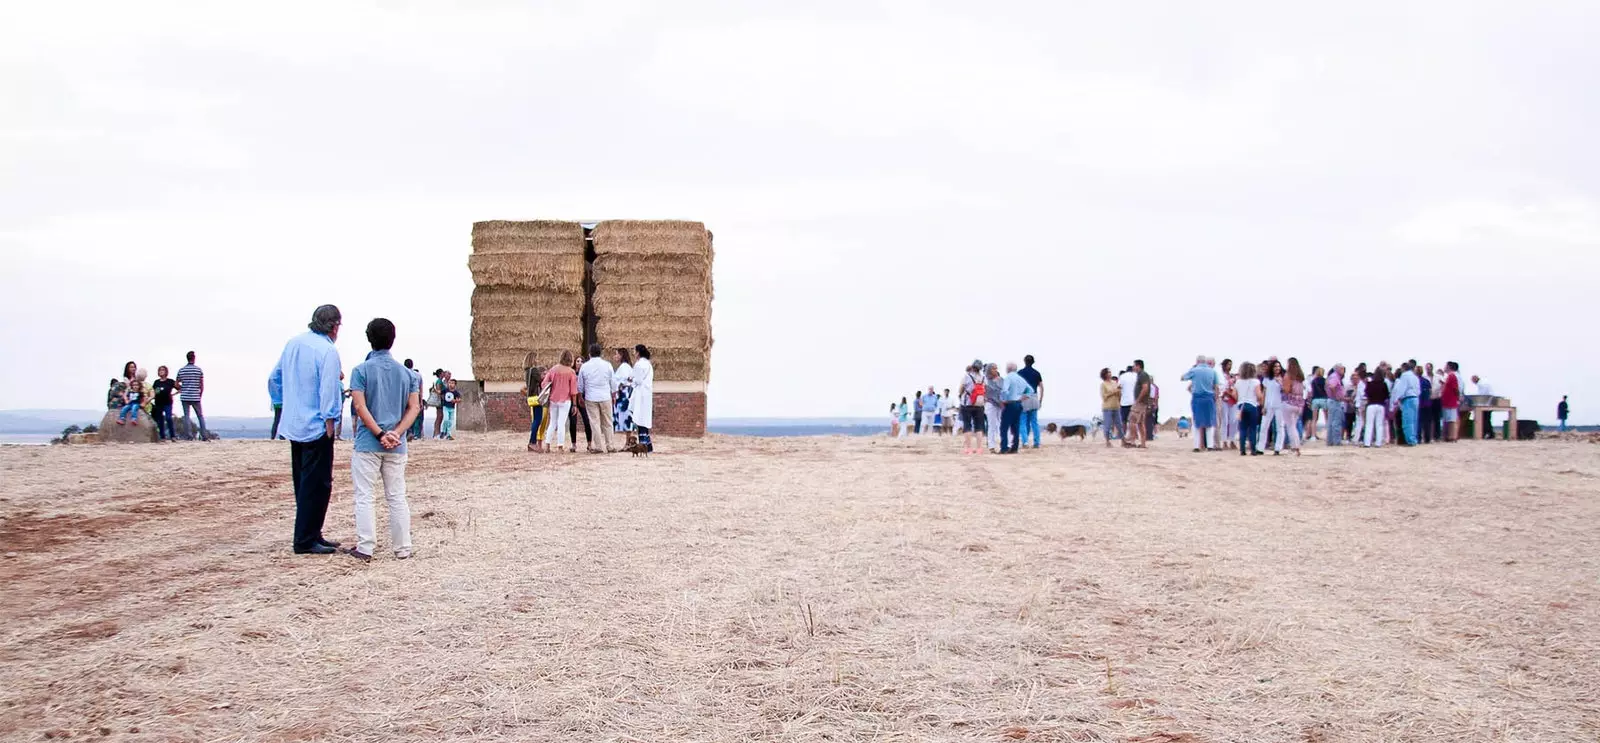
{"points": [[680, 414]]}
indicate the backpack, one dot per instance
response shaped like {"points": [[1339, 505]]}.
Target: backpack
{"points": [[975, 397]]}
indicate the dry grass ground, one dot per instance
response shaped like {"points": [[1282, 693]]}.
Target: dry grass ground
{"points": [[811, 589]]}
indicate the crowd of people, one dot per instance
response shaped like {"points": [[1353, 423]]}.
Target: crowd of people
{"points": [[1277, 405], [1266, 405], [612, 398], [997, 412], [134, 393]]}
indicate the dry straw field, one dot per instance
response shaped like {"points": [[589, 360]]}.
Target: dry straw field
{"points": [[822, 589]]}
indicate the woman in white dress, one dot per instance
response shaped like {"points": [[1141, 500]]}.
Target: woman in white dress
{"points": [[622, 388], [641, 402]]}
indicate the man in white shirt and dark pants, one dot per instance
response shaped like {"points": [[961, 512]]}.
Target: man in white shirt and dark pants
{"points": [[594, 385]]}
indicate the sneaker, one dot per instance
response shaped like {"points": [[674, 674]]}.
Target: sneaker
{"points": [[402, 554], [358, 554]]}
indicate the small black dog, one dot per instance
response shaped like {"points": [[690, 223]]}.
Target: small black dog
{"points": [[1082, 432]]}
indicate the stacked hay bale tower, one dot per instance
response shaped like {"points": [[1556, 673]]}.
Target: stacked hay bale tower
{"points": [[652, 285], [528, 295], [549, 286]]}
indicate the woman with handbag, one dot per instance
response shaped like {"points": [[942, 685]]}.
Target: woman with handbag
{"points": [[538, 398]]}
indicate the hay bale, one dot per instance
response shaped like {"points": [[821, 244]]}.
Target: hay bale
{"points": [[526, 304], [681, 364], [528, 335], [561, 273], [548, 237], [668, 332], [653, 270], [614, 301], [652, 237], [506, 365]]}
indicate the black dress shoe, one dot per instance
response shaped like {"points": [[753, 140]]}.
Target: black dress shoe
{"points": [[327, 542], [316, 549]]}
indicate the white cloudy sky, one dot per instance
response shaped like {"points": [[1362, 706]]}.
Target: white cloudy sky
{"points": [[896, 187]]}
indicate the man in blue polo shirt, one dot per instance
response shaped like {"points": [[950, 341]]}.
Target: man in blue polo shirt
{"points": [[387, 397]]}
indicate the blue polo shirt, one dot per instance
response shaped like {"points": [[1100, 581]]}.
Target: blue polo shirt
{"points": [[386, 384], [306, 383]]}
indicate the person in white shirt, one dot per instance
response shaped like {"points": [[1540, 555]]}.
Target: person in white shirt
{"points": [[1128, 379], [1482, 388], [621, 389], [595, 387]]}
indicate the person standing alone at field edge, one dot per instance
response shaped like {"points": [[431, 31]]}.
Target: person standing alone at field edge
{"points": [[191, 385], [594, 385], [1031, 403], [306, 379], [387, 398], [1561, 414]]}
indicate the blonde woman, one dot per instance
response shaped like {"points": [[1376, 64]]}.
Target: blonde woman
{"points": [[563, 384]]}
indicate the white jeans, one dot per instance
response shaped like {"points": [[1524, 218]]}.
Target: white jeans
{"points": [[992, 412], [1228, 422], [365, 469], [1373, 431], [556, 434], [1288, 427]]}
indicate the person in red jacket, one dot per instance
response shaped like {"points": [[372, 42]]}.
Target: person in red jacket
{"points": [[1450, 399]]}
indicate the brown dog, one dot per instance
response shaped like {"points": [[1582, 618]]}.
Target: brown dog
{"points": [[636, 448], [1082, 432]]}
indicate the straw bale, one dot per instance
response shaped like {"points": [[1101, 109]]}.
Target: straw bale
{"points": [[530, 334], [669, 332], [614, 301], [528, 271], [547, 237], [652, 237], [505, 301], [654, 270], [506, 365], [680, 364]]}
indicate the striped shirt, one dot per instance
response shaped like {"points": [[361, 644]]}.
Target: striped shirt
{"points": [[190, 378]]}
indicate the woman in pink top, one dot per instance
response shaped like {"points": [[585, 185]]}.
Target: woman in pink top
{"points": [[562, 382]]}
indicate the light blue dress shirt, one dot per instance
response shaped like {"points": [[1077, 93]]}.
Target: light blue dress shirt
{"points": [[306, 383], [1016, 387]]}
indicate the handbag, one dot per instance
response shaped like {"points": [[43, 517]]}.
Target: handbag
{"points": [[544, 395]]}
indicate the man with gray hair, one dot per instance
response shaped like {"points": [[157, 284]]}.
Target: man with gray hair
{"points": [[1202, 381], [1016, 388], [306, 382]]}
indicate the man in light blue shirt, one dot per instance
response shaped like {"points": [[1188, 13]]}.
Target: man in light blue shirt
{"points": [[306, 383], [1011, 414], [387, 398], [1202, 379], [1405, 395]]}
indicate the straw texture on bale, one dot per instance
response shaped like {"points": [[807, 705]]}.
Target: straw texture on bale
{"points": [[561, 273], [666, 332], [527, 335], [679, 364], [612, 301], [653, 270], [539, 236], [652, 237], [526, 304]]}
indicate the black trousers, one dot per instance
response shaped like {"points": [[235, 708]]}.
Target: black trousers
{"points": [[916, 423], [277, 417], [1425, 423], [1436, 406], [312, 465]]}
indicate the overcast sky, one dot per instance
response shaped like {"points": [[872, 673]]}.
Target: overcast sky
{"points": [[896, 187]]}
